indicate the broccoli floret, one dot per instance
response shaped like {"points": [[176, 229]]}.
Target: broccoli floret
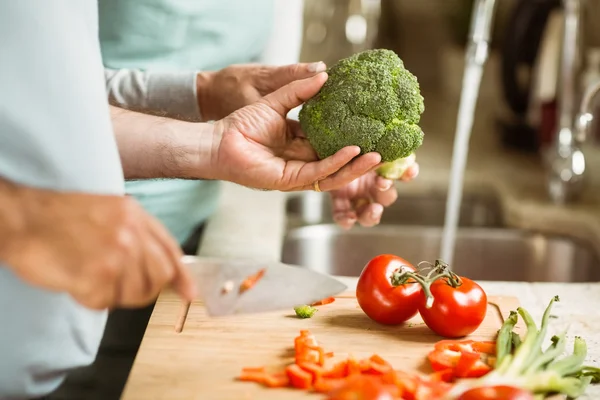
{"points": [[305, 311], [372, 101]]}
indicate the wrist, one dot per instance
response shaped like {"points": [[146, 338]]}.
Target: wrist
{"points": [[196, 156], [204, 94]]}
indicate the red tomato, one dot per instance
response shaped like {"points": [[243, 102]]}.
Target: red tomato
{"points": [[496, 393], [456, 311], [363, 387], [382, 301]]}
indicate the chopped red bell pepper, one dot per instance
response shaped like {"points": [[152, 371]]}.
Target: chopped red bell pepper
{"points": [[259, 375], [326, 385], [327, 300], [250, 281], [307, 349], [338, 370], [315, 370], [466, 358], [298, 377]]}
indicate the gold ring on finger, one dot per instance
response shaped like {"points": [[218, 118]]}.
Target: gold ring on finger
{"points": [[316, 186]]}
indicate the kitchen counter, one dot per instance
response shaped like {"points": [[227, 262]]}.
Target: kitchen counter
{"points": [[251, 223]]}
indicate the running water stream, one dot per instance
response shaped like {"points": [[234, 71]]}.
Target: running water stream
{"points": [[464, 125], [477, 53]]}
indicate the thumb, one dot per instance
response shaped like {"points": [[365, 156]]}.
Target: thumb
{"points": [[281, 76], [294, 94]]}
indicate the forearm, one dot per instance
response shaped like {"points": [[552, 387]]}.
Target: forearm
{"points": [[12, 218], [157, 147], [169, 94]]}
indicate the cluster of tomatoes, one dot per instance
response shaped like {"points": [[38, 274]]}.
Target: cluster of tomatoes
{"points": [[450, 305]]}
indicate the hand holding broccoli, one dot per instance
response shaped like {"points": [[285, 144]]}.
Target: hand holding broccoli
{"points": [[258, 147], [372, 101]]}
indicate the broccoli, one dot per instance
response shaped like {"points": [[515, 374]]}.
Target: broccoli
{"points": [[372, 101], [305, 311]]}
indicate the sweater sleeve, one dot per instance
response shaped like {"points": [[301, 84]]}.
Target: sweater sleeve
{"points": [[171, 94]]}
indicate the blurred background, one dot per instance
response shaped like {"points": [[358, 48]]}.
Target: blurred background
{"points": [[519, 93]]}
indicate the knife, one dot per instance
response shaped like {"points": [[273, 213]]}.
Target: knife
{"points": [[277, 286]]}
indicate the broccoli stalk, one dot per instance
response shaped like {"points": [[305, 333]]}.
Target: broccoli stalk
{"points": [[369, 100], [532, 368], [395, 169]]}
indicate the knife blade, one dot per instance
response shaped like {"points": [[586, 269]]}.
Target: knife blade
{"points": [[281, 286]]}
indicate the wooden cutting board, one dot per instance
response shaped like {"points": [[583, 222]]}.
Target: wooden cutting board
{"points": [[202, 361]]}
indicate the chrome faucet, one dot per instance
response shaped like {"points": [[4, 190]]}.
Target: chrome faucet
{"points": [[566, 162], [586, 113]]}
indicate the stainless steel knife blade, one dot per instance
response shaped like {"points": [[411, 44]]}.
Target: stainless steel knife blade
{"points": [[282, 286]]}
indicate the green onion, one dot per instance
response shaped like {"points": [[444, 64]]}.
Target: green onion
{"points": [[523, 363]]}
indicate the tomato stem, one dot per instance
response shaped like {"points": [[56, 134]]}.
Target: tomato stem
{"points": [[438, 270], [400, 277]]}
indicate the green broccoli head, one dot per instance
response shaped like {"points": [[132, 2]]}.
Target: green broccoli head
{"points": [[369, 100]]}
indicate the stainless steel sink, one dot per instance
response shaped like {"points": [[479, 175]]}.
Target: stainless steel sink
{"points": [[477, 210], [482, 253]]}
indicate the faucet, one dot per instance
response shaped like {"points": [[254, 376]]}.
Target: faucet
{"points": [[586, 116], [566, 162]]}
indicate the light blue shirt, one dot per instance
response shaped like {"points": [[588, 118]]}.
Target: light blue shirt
{"points": [[170, 40], [55, 132]]}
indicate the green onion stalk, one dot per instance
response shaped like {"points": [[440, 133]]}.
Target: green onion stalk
{"points": [[521, 362]]}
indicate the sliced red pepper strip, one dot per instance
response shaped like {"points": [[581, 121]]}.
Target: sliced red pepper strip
{"points": [[327, 300], [427, 390], [277, 380], [444, 375], [354, 366], [326, 385], [252, 376], [379, 366], [307, 349], [406, 383], [251, 280], [467, 365], [259, 375], [466, 358], [298, 377], [338, 370], [253, 369], [315, 370]]}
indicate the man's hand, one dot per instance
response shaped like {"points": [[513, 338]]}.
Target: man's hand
{"points": [[105, 251], [365, 199], [259, 148], [222, 92]]}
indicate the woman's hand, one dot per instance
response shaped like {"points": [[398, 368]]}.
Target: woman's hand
{"points": [[258, 147], [365, 199], [222, 92]]}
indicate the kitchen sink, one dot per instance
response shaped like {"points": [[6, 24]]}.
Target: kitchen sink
{"points": [[495, 254], [477, 210]]}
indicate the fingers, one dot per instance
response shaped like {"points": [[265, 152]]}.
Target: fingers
{"points": [[345, 173], [343, 210], [411, 173], [294, 94], [181, 279], [370, 214], [277, 77]]}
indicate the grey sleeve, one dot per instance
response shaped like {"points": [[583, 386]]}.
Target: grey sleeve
{"points": [[172, 94]]}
